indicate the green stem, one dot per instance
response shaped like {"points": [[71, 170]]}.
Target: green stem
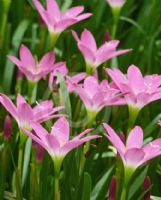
{"points": [[128, 172], [20, 159], [57, 166], [53, 39], [56, 188], [32, 91], [133, 113], [116, 15]]}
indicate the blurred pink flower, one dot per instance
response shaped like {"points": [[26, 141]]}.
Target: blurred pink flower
{"points": [[139, 91], [95, 96], [62, 69], [112, 189], [116, 3], [7, 127], [24, 114], [55, 20], [30, 67], [39, 150], [134, 153], [96, 56], [73, 81], [57, 142]]}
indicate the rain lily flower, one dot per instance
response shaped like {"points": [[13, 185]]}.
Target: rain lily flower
{"points": [[62, 69], [73, 81], [116, 3], [57, 143], [138, 90], [55, 20], [24, 114], [96, 56], [30, 67], [133, 153], [95, 96]]}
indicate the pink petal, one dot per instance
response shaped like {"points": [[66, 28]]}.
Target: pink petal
{"points": [[88, 40], [25, 115], [47, 60], [75, 36], [41, 11], [74, 11], [26, 57], [136, 79], [135, 138], [83, 16], [91, 86], [53, 9], [63, 24], [134, 157], [74, 144], [35, 138], [20, 100], [15, 60], [40, 131], [61, 130], [9, 106], [114, 139], [87, 53], [82, 134]]}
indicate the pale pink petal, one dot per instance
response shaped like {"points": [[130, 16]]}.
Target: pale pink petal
{"points": [[26, 57], [74, 144], [8, 104], [134, 157], [75, 36], [83, 16], [40, 131], [47, 60], [135, 79], [41, 11], [82, 134], [88, 40], [25, 115], [63, 24], [91, 86], [53, 9], [87, 53], [35, 138], [15, 60], [60, 130], [114, 139], [20, 100], [135, 138], [74, 11]]}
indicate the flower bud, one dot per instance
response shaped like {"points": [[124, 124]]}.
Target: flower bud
{"points": [[112, 189], [7, 127]]}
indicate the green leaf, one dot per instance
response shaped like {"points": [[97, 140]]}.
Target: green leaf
{"points": [[100, 184], [65, 95], [16, 41], [137, 183], [27, 153], [86, 186]]}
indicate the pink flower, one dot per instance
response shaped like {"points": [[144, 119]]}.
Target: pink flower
{"points": [[116, 3], [96, 56], [57, 142], [73, 81], [62, 69], [30, 67], [139, 90], [95, 96], [24, 114], [55, 20], [133, 153]]}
